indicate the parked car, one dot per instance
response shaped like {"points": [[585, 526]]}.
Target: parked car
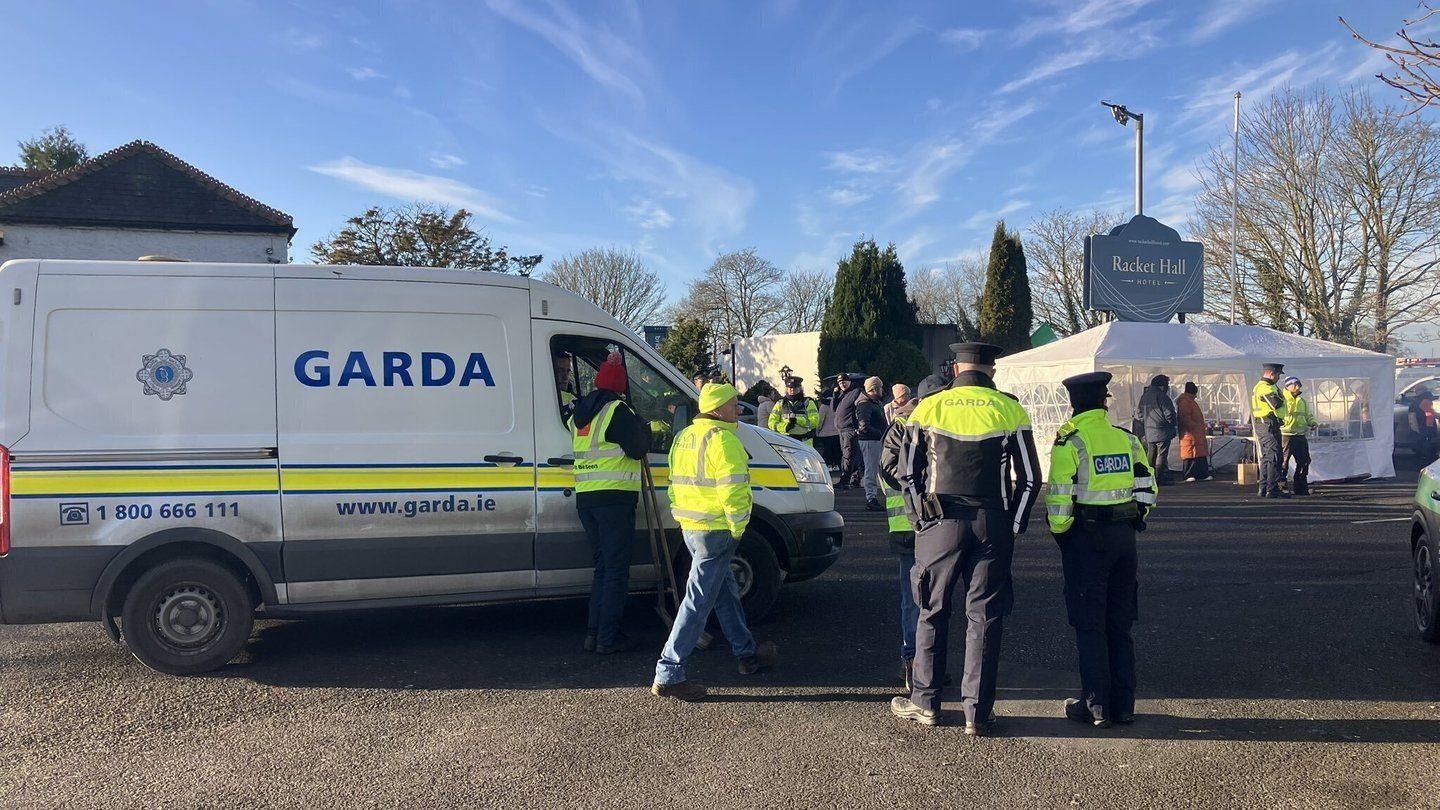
{"points": [[1405, 439], [1425, 553]]}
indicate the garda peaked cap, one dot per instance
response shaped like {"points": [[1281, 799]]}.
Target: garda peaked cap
{"points": [[793, 382], [1275, 367], [980, 354], [1088, 385]]}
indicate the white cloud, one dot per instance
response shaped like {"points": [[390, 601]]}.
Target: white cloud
{"points": [[930, 165], [910, 247], [447, 161], [964, 39], [648, 215], [1072, 18], [404, 184], [1213, 97], [860, 161], [360, 74], [846, 196], [1222, 14], [297, 41], [987, 218], [594, 48], [873, 53], [1119, 46], [1179, 179]]}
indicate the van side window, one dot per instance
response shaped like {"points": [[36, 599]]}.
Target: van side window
{"points": [[577, 359]]}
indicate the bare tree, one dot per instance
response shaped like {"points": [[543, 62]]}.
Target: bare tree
{"points": [[804, 299], [615, 280], [1390, 172], [1056, 256], [739, 295], [1415, 60], [949, 294], [1338, 219], [417, 235]]}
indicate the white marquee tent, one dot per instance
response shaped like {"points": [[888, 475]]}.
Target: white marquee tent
{"points": [[1350, 391]]}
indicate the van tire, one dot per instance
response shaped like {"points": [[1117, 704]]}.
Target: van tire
{"points": [[764, 573], [758, 573], [186, 616]]}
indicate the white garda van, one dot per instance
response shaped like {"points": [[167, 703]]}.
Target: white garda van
{"points": [[186, 445]]}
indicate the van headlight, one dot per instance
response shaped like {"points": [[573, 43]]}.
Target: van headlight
{"points": [[806, 464]]}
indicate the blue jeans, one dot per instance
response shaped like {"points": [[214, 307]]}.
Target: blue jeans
{"points": [[710, 587], [909, 611], [611, 530]]}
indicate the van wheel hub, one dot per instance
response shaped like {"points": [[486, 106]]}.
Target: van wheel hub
{"points": [[744, 574], [1424, 586], [188, 616]]}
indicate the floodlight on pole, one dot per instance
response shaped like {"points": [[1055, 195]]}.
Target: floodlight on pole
{"points": [[1123, 117]]}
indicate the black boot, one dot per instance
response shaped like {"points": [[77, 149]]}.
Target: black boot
{"points": [[1076, 710]]}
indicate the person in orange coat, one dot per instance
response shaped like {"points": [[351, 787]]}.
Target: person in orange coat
{"points": [[1194, 447]]}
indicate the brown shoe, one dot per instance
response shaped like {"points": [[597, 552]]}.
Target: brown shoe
{"points": [[765, 657], [688, 691]]}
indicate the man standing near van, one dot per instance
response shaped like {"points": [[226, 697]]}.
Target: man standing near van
{"points": [[710, 498], [610, 442]]}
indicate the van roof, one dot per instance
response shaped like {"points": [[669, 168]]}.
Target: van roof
{"points": [[549, 301]]}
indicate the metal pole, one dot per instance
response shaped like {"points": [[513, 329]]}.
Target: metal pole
{"points": [[1235, 213], [1139, 164]]}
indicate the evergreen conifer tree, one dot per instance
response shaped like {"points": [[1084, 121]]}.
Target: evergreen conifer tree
{"points": [[690, 347], [1004, 311], [871, 326]]}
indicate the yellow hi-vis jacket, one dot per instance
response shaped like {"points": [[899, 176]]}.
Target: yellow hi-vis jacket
{"points": [[895, 516], [600, 464], [1298, 420], [1266, 401], [710, 478], [803, 420], [1095, 463]]}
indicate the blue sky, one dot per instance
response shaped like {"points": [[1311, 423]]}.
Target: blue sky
{"points": [[680, 129]]}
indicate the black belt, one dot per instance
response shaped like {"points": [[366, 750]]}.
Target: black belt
{"points": [[1111, 513]]}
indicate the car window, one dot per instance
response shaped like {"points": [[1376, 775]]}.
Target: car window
{"points": [[651, 393]]}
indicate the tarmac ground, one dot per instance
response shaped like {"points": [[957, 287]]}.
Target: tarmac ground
{"points": [[1278, 667]]}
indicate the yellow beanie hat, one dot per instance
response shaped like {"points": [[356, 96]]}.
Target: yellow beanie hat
{"points": [[713, 395]]}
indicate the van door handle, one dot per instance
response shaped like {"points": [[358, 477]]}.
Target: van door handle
{"points": [[560, 461], [504, 458]]}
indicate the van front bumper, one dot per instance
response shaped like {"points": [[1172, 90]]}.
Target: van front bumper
{"points": [[814, 542]]}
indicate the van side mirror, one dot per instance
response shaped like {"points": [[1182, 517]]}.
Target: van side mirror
{"points": [[681, 419]]}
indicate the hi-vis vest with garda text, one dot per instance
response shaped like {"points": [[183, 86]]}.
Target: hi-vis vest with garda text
{"points": [[600, 464], [1095, 463]]}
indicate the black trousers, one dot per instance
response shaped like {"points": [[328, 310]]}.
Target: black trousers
{"points": [[1158, 454], [975, 551], [1296, 447], [1197, 468], [850, 462], [1101, 601], [1271, 474]]}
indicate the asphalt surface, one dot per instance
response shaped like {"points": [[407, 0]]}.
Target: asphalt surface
{"points": [[1277, 660]]}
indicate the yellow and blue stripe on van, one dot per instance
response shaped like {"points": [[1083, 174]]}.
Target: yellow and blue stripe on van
{"points": [[159, 480]]}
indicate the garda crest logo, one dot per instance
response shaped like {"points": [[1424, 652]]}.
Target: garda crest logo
{"points": [[164, 374]]}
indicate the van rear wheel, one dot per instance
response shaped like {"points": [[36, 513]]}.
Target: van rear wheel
{"points": [[187, 616]]}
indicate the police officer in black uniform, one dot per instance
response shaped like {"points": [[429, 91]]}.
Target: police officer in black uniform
{"points": [[1100, 492], [969, 474]]}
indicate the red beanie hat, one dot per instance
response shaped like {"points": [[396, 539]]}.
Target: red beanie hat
{"points": [[612, 376]]}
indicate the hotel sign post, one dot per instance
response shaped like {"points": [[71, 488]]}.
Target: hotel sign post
{"points": [[1143, 271]]}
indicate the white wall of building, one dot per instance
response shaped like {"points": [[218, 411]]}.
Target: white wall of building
{"points": [[763, 357], [25, 241]]}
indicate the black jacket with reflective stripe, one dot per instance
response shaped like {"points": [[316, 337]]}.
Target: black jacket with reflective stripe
{"points": [[982, 457]]}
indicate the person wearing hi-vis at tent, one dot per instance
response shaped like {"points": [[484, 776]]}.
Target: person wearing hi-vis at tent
{"points": [[1294, 441], [710, 499]]}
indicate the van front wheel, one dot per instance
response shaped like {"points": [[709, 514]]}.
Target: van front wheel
{"points": [[187, 616], [757, 572]]}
